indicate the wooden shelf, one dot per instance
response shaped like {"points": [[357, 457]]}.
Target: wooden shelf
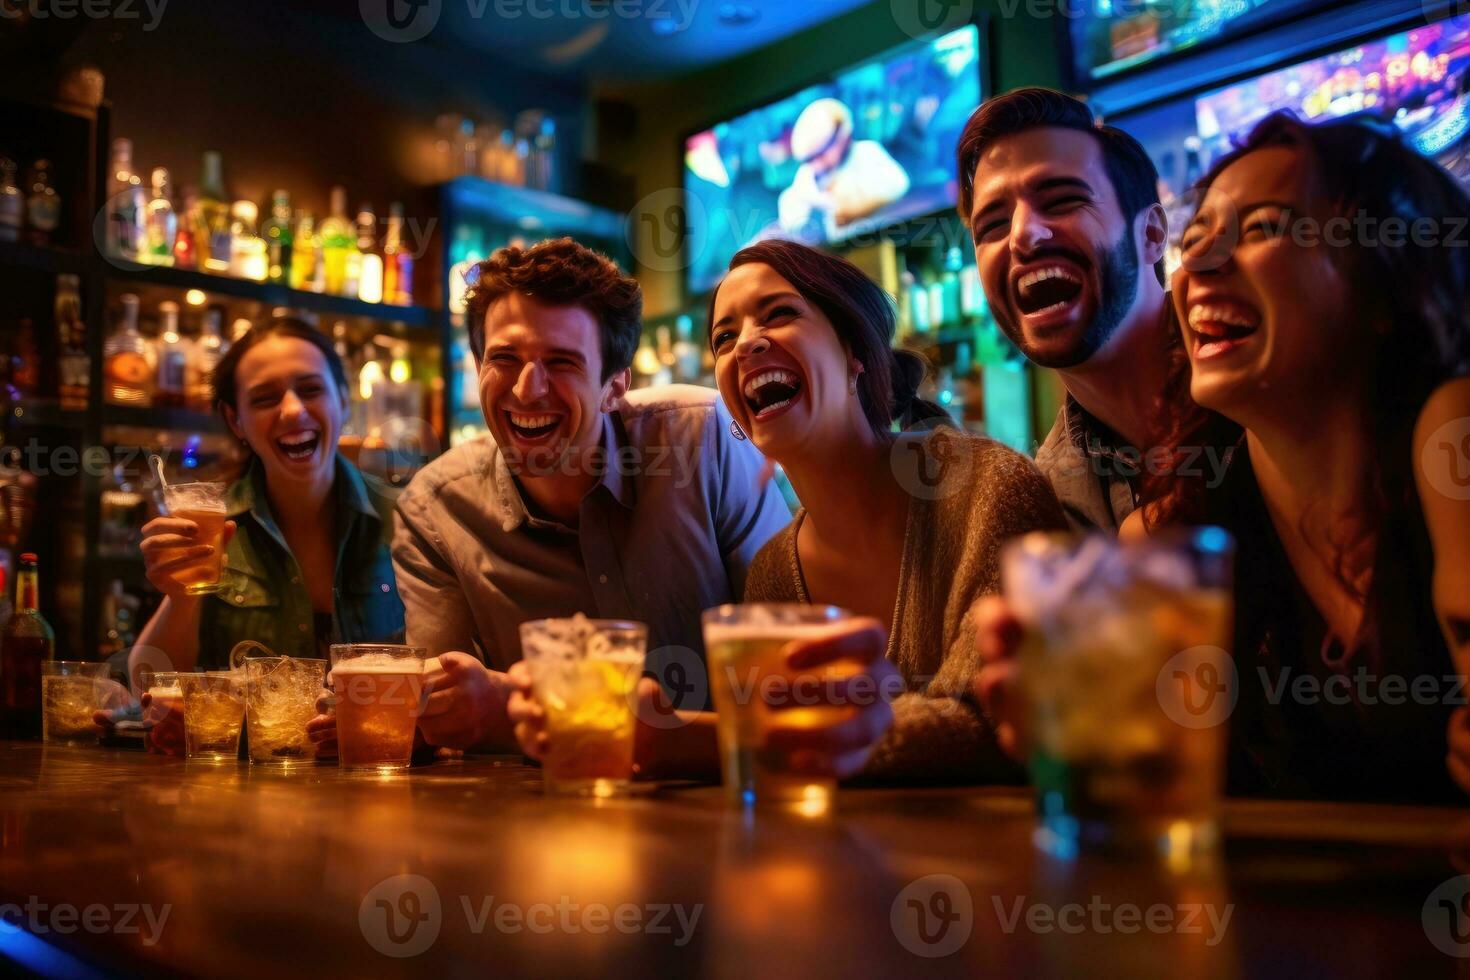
{"points": [[274, 294], [176, 419], [41, 258]]}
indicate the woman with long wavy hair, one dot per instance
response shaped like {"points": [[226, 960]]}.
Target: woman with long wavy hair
{"points": [[1324, 307]]}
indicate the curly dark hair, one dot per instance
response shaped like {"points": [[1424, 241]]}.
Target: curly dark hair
{"points": [[863, 316], [562, 272], [1418, 290]]}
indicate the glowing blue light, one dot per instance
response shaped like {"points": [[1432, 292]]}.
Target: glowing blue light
{"points": [[37, 957]]}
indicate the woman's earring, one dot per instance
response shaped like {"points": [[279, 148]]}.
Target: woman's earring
{"points": [[852, 385], [736, 431]]}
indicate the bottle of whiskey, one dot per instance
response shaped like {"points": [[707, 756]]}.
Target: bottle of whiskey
{"points": [[173, 358], [397, 261], [12, 203], [211, 218], [74, 366], [278, 241], [26, 642], [128, 375], [43, 204]]}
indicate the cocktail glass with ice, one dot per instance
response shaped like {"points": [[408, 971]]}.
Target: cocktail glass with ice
{"points": [[585, 674], [1127, 682]]}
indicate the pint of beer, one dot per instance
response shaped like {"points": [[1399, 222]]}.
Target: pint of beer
{"points": [[746, 649], [378, 690], [205, 505]]}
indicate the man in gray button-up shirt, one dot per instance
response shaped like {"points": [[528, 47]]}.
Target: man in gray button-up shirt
{"points": [[584, 497]]}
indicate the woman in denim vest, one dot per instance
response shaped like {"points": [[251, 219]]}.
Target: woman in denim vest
{"points": [[307, 558]]}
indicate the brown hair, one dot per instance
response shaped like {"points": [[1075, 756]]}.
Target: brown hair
{"points": [[1419, 293], [562, 272], [862, 314], [226, 389], [1133, 175]]}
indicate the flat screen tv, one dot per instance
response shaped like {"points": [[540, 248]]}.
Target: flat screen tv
{"points": [[1111, 37], [1417, 80], [869, 147]]}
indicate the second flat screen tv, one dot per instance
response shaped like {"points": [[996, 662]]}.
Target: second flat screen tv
{"points": [[871, 147]]}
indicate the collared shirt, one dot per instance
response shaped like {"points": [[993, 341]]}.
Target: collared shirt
{"points": [[1088, 469], [263, 595], [668, 531]]}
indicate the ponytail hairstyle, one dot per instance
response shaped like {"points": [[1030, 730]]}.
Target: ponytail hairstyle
{"points": [[863, 316]]}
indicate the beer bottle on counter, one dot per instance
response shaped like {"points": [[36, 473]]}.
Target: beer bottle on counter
{"points": [[26, 642]]}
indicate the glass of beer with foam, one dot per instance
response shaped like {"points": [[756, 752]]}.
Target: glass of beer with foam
{"points": [[585, 676], [205, 504], [754, 691], [378, 693]]}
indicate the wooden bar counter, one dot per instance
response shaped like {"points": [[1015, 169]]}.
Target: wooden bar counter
{"points": [[247, 872]]}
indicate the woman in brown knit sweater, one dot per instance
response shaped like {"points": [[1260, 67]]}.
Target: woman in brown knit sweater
{"points": [[903, 529]]}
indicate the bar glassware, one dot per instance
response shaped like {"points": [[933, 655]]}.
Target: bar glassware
{"points": [[70, 694], [214, 714], [280, 698], [1127, 682], [378, 692], [746, 648], [585, 675], [205, 504]]}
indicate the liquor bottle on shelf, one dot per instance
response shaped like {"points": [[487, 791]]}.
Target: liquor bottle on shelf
{"points": [[369, 262], [397, 261], [74, 366], [12, 203], [128, 376], [26, 642], [278, 239], [43, 204], [212, 217], [162, 224], [949, 285], [247, 249], [338, 243], [25, 360], [123, 184], [306, 248], [203, 356], [688, 356], [186, 247], [173, 358]]}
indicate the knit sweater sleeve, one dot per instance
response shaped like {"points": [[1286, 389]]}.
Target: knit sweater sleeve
{"points": [[939, 733], [770, 577]]}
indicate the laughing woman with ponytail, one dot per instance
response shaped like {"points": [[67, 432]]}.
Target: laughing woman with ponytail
{"points": [[902, 516]]}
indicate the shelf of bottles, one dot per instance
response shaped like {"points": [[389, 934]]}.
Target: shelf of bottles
{"points": [[45, 190], [199, 239], [481, 216]]}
